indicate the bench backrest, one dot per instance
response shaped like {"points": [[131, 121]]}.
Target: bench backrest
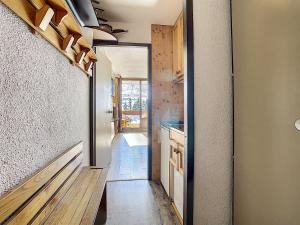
{"points": [[33, 200]]}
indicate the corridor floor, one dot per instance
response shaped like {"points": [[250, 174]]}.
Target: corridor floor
{"points": [[131, 198], [129, 157], [138, 202]]}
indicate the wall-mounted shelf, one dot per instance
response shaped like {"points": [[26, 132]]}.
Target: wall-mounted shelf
{"points": [[102, 35], [54, 21]]}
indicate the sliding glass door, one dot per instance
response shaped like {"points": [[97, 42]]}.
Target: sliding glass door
{"points": [[134, 96]]}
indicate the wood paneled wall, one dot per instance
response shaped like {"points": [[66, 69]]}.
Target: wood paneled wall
{"points": [[167, 97]]}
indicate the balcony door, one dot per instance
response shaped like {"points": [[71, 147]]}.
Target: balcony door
{"points": [[134, 97]]}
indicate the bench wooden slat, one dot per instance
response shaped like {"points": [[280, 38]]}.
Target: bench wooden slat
{"points": [[61, 193], [10, 202], [81, 208], [90, 214], [48, 209], [67, 207], [43, 196]]}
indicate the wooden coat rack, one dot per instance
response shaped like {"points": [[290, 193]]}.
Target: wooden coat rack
{"points": [[54, 21]]}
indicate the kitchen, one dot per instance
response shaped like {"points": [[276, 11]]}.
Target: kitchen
{"points": [[172, 135]]}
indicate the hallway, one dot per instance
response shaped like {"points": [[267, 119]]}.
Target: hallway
{"points": [[132, 199], [139, 202]]}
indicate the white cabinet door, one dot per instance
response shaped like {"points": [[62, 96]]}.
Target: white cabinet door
{"points": [[165, 156], [178, 191]]}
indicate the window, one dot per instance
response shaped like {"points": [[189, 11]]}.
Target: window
{"points": [[134, 102]]}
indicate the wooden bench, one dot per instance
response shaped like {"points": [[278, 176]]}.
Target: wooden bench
{"points": [[63, 192]]}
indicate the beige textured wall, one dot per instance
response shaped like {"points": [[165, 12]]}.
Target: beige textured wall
{"points": [[213, 110], [44, 102], [137, 32], [167, 97]]}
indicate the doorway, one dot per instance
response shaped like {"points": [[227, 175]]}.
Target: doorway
{"points": [[131, 111], [189, 107]]}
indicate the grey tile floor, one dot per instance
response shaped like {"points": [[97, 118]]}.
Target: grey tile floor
{"points": [[129, 157], [138, 202]]}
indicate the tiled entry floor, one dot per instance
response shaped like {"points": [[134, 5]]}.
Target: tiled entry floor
{"points": [[138, 202], [129, 157]]}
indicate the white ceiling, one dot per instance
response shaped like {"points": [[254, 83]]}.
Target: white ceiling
{"points": [[129, 62], [162, 12]]}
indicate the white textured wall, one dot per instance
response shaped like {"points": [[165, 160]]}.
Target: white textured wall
{"points": [[137, 32], [213, 107], [44, 102]]}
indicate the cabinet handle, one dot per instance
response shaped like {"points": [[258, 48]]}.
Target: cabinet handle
{"points": [[173, 163]]}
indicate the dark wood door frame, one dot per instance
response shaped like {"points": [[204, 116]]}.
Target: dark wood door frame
{"points": [[188, 208], [92, 101]]}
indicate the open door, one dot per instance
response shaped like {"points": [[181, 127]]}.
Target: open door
{"points": [[104, 116]]}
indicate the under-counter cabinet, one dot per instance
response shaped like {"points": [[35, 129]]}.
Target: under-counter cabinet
{"points": [[176, 174], [178, 191], [165, 156], [172, 166]]}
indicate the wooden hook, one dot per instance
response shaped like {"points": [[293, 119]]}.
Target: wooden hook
{"points": [[89, 65], [67, 42], [59, 16], [87, 50], [76, 36], [80, 56], [43, 17], [59, 12]]}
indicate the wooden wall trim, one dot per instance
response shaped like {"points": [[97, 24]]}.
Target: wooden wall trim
{"points": [[42, 16]]}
